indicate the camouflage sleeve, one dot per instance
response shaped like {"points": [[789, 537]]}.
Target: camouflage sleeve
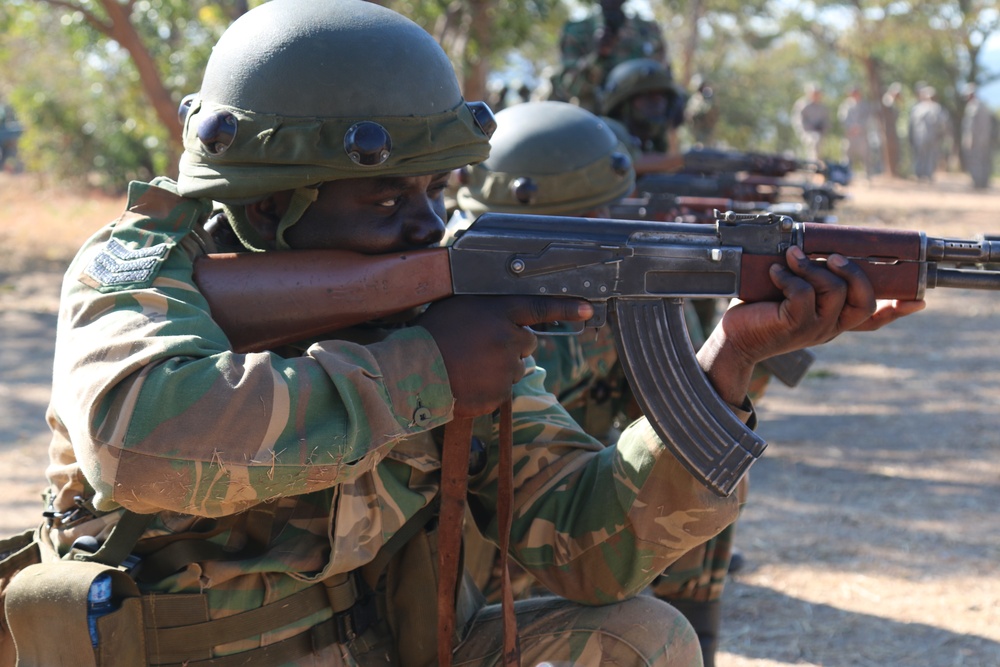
{"points": [[164, 416], [593, 523]]}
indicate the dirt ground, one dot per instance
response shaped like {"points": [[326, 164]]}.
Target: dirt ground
{"points": [[870, 535]]}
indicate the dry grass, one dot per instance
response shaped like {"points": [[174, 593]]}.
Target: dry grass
{"points": [[43, 226]]}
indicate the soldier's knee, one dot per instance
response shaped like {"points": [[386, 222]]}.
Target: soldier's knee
{"points": [[648, 631], [640, 632]]}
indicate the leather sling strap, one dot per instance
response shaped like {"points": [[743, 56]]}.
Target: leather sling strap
{"points": [[505, 516], [454, 479]]}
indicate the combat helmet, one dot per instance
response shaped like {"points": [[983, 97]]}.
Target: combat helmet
{"points": [[298, 92], [634, 77], [548, 158]]}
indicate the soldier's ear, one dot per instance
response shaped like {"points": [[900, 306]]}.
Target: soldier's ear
{"points": [[265, 214]]}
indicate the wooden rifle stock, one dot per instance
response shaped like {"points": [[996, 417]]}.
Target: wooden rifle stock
{"points": [[297, 294]]}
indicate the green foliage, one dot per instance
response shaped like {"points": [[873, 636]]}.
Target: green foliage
{"points": [[518, 30], [78, 92], [87, 116]]}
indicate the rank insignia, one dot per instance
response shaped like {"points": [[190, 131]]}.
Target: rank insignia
{"points": [[118, 265]]}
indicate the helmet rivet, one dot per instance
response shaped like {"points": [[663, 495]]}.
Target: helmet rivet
{"points": [[484, 117], [367, 143], [217, 131], [524, 190], [620, 163], [185, 107]]}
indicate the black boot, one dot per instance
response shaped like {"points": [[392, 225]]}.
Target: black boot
{"points": [[705, 617]]}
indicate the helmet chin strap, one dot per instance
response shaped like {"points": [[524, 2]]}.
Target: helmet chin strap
{"points": [[300, 201], [251, 238]]}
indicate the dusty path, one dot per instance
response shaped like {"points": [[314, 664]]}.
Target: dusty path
{"points": [[870, 533]]}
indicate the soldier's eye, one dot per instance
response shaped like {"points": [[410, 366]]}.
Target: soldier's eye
{"points": [[389, 203]]}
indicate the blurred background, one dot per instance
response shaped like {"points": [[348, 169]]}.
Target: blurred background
{"points": [[90, 88]]}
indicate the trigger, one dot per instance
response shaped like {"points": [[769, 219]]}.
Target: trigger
{"points": [[557, 328]]}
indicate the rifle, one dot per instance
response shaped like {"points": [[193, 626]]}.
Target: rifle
{"points": [[668, 207], [790, 367], [716, 161], [820, 198], [639, 272]]}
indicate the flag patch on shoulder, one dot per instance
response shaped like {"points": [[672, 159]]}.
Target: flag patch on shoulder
{"points": [[118, 265]]}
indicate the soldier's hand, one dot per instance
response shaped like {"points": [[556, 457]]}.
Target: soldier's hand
{"points": [[484, 341], [822, 300]]}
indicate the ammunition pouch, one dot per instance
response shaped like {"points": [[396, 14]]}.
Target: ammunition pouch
{"points": [[53, 596], [45, 613]]}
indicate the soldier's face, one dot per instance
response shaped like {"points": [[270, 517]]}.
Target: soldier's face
{"points": [[374, 215]]}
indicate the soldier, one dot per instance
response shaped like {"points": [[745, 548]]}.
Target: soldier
{"points": [[641, 95], [282, 504], [978, 138], [701, 114], [855, 117], [591, 47], [811, 121], [927, 129], [552, 158]]}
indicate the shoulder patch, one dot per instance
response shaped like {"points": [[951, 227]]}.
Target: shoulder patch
{"points": [[117, 265]]}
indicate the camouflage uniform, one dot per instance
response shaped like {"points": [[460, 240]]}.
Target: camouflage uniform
{"points": [[303, 467], [271, 472], [541, 144], [583, 70]]}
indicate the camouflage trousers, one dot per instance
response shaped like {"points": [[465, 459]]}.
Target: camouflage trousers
{"points": [[556, 632]]}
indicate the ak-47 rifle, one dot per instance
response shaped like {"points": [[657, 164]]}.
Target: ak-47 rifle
{"points": [[716, 161], [790, 367], [750, 177], [666, 207], [638, 272], [820, 198]]}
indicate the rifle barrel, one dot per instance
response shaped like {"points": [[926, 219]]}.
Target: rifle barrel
{"points": [[984, 280]]}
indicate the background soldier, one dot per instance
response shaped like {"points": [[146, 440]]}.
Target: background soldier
{"points": [[811, 121], [701, 114], [978, 138], [552, 158], [855, 117], [642, 96], [927, 129], [591, 47]]}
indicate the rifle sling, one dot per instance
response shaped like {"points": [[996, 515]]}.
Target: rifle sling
{"points": [[454, 480]]}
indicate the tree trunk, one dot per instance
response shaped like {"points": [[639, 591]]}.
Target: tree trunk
{"points": [[889, 144], [477, 66], [122, 31], [690, 44]]}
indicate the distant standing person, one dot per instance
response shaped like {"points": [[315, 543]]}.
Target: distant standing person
{"points": [[928, 127], [890, 120], [978, 130], [591, 47], [701, 112], [854, 115], [811, 121]]}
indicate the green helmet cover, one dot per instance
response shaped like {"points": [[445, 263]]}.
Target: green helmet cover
{"points": [[298, 92], [634, 77], [548, 158]]}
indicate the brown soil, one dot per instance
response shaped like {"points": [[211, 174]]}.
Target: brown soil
{"points": [[870, 530]]}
